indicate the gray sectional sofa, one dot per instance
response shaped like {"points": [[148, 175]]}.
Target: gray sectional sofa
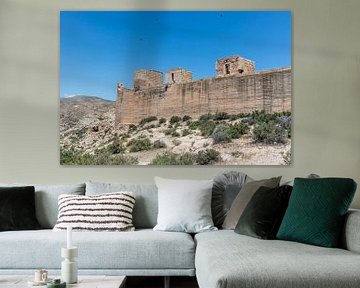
{"points": [[219, 259]]}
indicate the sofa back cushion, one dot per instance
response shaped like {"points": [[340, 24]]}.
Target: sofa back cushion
{"points": [[146, 204], [46, 200]]}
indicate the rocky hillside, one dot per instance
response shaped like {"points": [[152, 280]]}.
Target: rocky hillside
{"points": [[88, 137], [86, 122], [84, 110]]}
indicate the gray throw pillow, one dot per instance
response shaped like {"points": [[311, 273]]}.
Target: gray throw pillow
{"points": [[226, 187], [184, 205], [242, 199]]}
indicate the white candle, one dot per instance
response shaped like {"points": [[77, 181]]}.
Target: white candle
{"points": [[69, 239]]}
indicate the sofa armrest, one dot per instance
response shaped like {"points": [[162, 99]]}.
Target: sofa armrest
{"points": [[351, 234]]}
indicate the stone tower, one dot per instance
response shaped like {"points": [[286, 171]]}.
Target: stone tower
{"points": [[234, 65], [178, 75], [145, 79]]}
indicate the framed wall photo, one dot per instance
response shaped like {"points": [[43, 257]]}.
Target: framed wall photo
{"points": [[175, 87]]}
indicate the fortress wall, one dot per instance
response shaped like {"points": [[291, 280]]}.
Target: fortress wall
{"points": [[269, 91]]}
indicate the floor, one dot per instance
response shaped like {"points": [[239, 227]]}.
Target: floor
{"points": [[158, 282]]}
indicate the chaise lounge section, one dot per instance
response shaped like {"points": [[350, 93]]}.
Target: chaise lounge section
{"points": [[225, 259]]}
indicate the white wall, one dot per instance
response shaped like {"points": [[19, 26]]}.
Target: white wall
{"points": [[326, 90]]}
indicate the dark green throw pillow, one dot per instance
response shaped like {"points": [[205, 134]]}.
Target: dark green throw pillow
{"points": [[17, 208], [263, 214], [316, 211]]}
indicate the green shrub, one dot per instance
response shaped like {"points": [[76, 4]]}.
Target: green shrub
{"points": [[71, 156], [269, 133], [221, 134], [262, 116], [243, 115], [193, 125], [233, 117], [206, 117], [115, 147], [101, 157], [139, 145], [123, 160], [186, 118], [172, 132], [68, 156], [238, 129], [147, 120], [175, 119], [186, 159], [159, 144], [170, 158], [207, 156], [221, 116], [162, 121], [207, 128], [164, 159]]}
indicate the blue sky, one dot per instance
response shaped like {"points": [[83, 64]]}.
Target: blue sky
{"points": [[98, 49]]}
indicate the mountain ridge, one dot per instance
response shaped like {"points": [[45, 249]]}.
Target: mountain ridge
{"points": [[80, 97]]}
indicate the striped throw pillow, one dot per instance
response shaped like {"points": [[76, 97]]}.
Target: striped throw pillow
{"points": [[105, 212]]}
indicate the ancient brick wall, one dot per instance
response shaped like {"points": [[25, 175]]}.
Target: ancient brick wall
{"points": [[268, 90]]}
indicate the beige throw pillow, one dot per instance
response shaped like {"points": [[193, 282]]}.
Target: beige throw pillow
{"points": [[243, 198]]}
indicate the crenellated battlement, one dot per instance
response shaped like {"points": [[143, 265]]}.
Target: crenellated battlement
{"points": [[236, 88]]}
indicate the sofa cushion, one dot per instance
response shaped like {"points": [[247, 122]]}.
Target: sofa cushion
{"points": [[17, 208], [243, 198], [184, 205], [146, 205], [137, 250], [263, 215], [225, 259], [46, 200], [225, 189], [317, 209], [105, 212]]}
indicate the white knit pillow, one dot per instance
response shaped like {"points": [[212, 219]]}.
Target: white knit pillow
{"points": [[105, 212]]}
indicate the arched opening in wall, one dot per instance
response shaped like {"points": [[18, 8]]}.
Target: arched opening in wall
{"points": [[173, 77], [227, 69]]}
